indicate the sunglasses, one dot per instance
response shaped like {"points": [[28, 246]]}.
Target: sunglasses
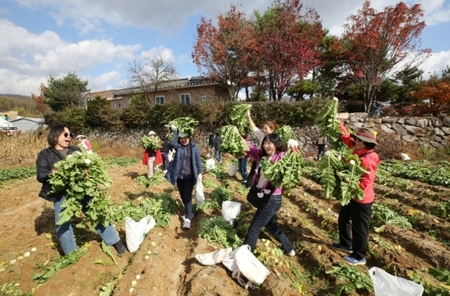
{"points": [[66, 135]]}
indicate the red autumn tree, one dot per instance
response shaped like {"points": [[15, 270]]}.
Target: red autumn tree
{"points": [[290, 41], [435, 94], [40, 100], [222, 52], [377, 42]]}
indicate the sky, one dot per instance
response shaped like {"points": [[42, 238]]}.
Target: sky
{"points": [[99, 40]]}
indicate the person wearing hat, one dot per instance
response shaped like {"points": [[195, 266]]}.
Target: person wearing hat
{"points": [[353, 220], [84, 143], [185, 170], [152, 158]]}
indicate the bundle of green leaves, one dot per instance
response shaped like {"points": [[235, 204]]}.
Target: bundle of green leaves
{"points": [[340, 174], [153, 143], [232, 141], [218, 230], [328, 122], [185, 124], [285, 172], [285, 133], [238, 118], [82, 176]]}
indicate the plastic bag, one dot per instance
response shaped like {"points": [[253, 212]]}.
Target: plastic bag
{"points": [[385, 284], [135, 232], [199, 194], [230, 210], [210, 164], [245, 267], [213, 257], [232, 170]]}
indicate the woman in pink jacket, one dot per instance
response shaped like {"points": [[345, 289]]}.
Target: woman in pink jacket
{"points": [[353, 218], [272, 148]]}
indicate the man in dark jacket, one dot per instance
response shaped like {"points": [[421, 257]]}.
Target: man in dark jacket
{"points": [[218, 148], [166, 147]]}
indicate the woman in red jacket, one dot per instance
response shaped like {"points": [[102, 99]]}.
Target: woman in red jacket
{"points": [[353, 236]]}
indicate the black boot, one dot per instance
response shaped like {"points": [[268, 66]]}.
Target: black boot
{"points": [[120, 248]]}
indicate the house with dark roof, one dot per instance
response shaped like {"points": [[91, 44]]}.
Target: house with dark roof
{"points": [[27, 124], [183, 90]]}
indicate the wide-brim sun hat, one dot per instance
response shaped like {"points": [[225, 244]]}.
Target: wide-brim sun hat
{"points": [[182, 134], [366, 135], [152, 133], [80, 137]]}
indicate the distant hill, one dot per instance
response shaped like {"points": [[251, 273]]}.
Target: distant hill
{"points": [[24, 104]]}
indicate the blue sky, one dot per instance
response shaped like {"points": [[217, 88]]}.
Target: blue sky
{"points": [[99, 39]]}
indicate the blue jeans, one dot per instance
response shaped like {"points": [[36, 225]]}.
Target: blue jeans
{"points": [[218, 155], [242, 165], [266, 217], [185, 187], [65, 231]]}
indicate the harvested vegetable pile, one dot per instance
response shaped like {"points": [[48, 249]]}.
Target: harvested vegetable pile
{"points": [[238, 118], [232, 142], [151, 142], [160, 207], [220, 231], [185, 124], [81, 175], [285, 172], [340, 175]]}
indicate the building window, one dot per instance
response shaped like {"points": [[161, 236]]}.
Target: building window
{"points": [[117, 105], [159, 100], [203, 98], [185, 99]]}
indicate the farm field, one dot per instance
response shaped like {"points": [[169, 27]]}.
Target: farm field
{"points": [[410, 238]]}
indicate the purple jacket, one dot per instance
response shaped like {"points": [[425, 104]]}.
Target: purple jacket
{"points": [[255, 154]]}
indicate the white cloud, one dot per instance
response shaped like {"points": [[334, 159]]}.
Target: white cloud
{"points": [[437, 62]]}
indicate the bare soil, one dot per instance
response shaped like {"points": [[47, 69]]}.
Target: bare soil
{"points": [[309, 220]]}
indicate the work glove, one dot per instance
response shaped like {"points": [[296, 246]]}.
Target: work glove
{"points": [[199, 178], [173, 127]]}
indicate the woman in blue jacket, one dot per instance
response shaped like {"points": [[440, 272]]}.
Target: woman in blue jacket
{"points": [[185, 170]]}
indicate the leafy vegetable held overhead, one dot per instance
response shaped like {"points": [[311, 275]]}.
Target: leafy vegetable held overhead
{"points": [[81, 175], [238, 117], [328, 122], [185, 124], [340, 176], [151, 142], [232, 141], [285, 172], [285, 133]]}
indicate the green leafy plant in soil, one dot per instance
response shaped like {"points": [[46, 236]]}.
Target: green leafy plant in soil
{"points": [[221, 194], [16, 174], [351, 279], [441, 275], [60, 263], [160, 207], [82, 175], [382, 215], [218, 230], [157, 179]]}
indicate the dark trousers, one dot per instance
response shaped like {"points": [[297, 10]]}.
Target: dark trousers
{"points": [[266, 217], [321, 151], [165, 157], [353, 225], [185, 187], [251, 174]]}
